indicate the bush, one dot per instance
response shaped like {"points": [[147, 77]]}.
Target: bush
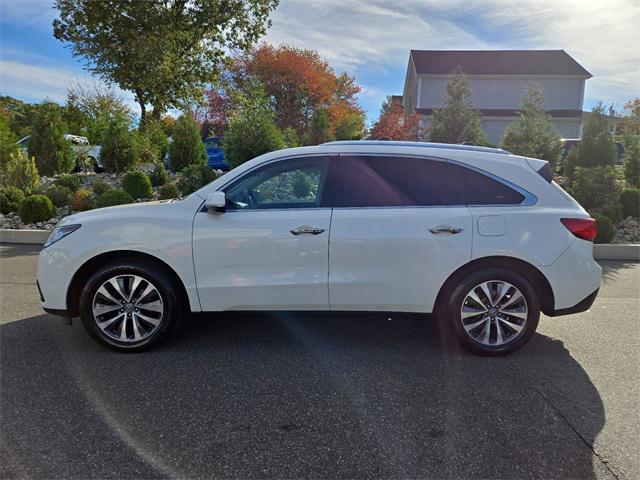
{"points": [[137, 184], [146, 151], [597, 190], [632, 163], [252, 130], [597, 147], [194, 177], [8, 139], [187, 147], [21, 172], [52, 152], [605, 228], [72, 182], [159, 176], [59, 195], [99, 187], [630, 199], [36, 208], [10, 199], [168, 191], [120, 147], [115, 196], [158, 138], [83, 200]]}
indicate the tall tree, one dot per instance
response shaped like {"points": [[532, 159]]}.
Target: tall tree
{"points": [[298, 84], [631, 123], [597, 146], [457, 121], [534, 134], [162, 51], [393, 124]]}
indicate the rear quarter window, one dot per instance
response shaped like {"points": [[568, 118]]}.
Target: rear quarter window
{"points": [[479, 189]]}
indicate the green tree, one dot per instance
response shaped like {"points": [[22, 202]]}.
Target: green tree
{"points": [[8, 139], [162, 51], [187, 147], [21, 172], [52, 152], [632, 163], [534, 134], [89, 108], [597, 146], [158, 138], [120, 147], [319, 130], [20, 115], [457, 121], [252, 130], [597, 189]]}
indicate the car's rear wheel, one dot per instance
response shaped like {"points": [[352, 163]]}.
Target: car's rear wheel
{"points": [[129, 305], [493, 311]]}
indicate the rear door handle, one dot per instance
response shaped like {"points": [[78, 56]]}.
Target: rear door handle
{"points": [[445, 229], [305, 229]]}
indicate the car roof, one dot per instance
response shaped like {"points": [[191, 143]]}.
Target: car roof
{"points": [[444, 146]]}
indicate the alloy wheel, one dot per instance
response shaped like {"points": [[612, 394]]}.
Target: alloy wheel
{"points": [[494, 313], [128, 308]]}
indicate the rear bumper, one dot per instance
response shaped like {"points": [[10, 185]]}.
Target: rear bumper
{"points": [[581, 306]]}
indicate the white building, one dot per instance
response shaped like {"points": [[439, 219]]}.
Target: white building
{"points": [[499, 79]]}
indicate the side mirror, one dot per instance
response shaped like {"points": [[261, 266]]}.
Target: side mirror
{"points": [[216, 202]]}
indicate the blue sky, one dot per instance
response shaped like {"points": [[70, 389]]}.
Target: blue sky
{"points": [[371, 40]]}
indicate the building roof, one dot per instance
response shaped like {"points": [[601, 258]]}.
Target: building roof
{"points": [[497, 62]]}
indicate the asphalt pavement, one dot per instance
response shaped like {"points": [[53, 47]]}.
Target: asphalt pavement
{"points": [[316, 395]]}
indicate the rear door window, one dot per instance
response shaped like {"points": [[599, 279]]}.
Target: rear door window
{"points": [[387, 181]]}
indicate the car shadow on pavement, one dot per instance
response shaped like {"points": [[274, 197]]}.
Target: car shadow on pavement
{"points": [[301, 395]]}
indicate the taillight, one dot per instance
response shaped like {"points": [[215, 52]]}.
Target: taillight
{"points": [[584, 228]]}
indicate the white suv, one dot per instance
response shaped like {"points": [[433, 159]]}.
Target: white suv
{"points": [[481, 237]]}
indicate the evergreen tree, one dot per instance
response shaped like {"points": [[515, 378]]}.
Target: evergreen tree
{"points": [[187, 147], [457, 121], [597, 146], [52, 152], [534, 134]]}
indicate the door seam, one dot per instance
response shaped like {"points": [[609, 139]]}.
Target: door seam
{"points": [[329, 260]]}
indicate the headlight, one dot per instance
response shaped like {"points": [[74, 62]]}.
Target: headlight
{"points": [[59, 233]]}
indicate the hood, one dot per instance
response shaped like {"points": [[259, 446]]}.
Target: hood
{"points": [[126, 211]]}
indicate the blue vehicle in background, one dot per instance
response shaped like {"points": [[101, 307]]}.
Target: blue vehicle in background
{"points": [[215, 152]]}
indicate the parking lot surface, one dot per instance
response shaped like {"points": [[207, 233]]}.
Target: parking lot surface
{"points": [[318, 395]]}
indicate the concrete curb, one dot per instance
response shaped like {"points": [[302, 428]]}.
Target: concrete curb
{"points": [[606, 251], [630, 252], [37, 237]]}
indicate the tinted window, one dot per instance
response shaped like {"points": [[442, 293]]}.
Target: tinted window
{"points": [[287, 184], [480, 189], [389, 181]]}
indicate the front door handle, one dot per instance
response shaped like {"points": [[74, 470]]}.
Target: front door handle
{"points": [[305, 229], [445, 229]]}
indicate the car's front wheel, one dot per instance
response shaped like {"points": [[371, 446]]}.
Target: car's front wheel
{"points": [[493, 311], [129, 305]]}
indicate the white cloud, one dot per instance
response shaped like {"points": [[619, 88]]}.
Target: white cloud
{"points": [[38, 13], [30, 81]]}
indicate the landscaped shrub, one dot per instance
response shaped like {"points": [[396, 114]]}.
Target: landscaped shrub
{"points": [[159, 176], [155, 133], [113, 197], [194, 177], [72, 182], [36, 208], [137, 184], [52, 152], [21, 172], [597, 190], [168, 191], [10, 199], [99, 187], [83, 200], [630, 199], [632, 162], [120, 147], [187, 147], [605, 228], [59, 195], [147, 152]]}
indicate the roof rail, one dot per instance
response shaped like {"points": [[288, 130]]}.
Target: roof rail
{"points": [[447, 146]]}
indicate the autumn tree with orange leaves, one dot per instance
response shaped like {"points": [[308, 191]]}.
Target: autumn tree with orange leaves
{"points": [[304, 92], [393, 124]]}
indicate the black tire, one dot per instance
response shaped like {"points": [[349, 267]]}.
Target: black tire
{"points": [[166, 289], [453, 316]]}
